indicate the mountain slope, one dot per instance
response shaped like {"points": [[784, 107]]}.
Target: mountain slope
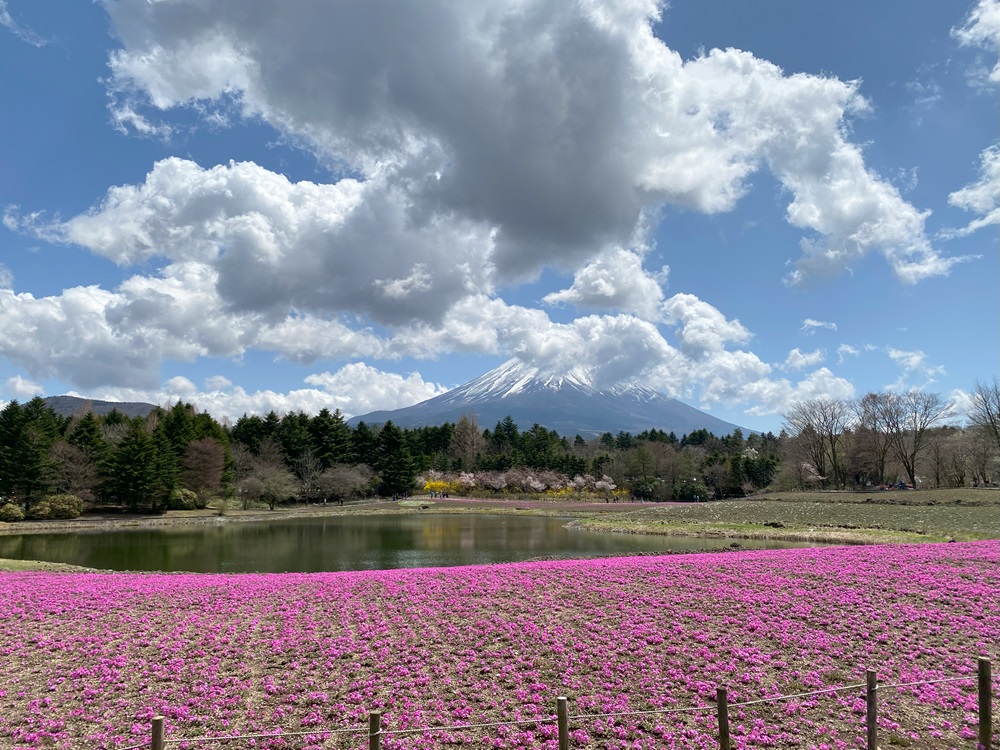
{"points": [[568, 403], [67, 406]]}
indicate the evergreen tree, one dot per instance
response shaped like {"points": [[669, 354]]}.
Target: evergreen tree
{"points": [[501, 445], [86, 434], [178, 425], [271, 423], [27, 434], [394, 465], [539, 448], [249, 431], [114, 418], [330, 438], [364, 445], [11, 429], [132, 479], [429, 446], [165, 468], [293, 436]]}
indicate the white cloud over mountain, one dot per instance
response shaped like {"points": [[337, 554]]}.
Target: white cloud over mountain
{"points": [[548, 125], [472, 146], [982, 29]]}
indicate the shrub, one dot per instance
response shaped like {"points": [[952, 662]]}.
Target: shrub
{"points": [[64, 506], [11, 513], [181, 499], [39, 511]]}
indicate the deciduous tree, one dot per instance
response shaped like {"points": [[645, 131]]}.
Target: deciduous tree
{"points": [[909, 416], [467, 442], [202, 466], [984, 409]]}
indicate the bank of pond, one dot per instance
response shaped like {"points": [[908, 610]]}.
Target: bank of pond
{"points": [[342, 543]]}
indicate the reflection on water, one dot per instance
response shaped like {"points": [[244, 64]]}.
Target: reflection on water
{"points": [[341, 543]]}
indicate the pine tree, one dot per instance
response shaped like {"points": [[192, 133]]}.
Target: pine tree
{"points": [[85, 433], [293, 436], [364, 445], [132, 472], [394, 465], [27, 434], [249, 431]]}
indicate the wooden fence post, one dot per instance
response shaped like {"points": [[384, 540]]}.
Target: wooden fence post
{"points": [[375, 730], [985, 702], [722, 702], [157, 734], [871, 708], [562, 720]]}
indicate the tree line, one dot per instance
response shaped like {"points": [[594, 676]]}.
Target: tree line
{"points": [[179, 458], [887, 439]]}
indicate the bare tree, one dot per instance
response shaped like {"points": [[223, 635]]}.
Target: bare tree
{"points": [[202, 465], [270, 484], [958, 460], [940, 449], [873, 431], [983, 458], [909, 416], [984, 409], [817, 426], [242, 461], [342, 482], [467, 441], [268, 479], [308, 468], [72, 471]]}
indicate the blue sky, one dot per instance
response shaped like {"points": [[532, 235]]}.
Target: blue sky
{"points": [[359, 205]]}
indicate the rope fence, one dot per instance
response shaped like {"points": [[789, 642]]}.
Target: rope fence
{"points": [[562, 718]]}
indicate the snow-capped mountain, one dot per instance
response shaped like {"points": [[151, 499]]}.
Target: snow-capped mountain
{"points": [[569, 403]]}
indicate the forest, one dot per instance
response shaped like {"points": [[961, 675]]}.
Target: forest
{"points": [[178, 458]]}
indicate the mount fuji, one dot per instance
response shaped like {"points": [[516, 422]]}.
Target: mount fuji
{"points": [[568, 403]]}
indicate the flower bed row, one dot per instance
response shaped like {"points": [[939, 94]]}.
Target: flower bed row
{"points": [[88, 659]]}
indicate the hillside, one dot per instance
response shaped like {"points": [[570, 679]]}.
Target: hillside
{"points": [[569, 403], [67, 406]]}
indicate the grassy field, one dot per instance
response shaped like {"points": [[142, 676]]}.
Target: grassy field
{"points": [[9, 566], [887, 517]]}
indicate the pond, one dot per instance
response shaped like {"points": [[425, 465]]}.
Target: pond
{"points": [[336, 543]]}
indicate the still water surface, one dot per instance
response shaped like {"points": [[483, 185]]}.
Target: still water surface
{"points": [[342, 543]]}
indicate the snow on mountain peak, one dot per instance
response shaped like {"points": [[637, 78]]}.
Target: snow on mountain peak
{"points": [[515, 376]]}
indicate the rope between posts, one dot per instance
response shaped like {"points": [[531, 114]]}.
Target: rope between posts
{"points": [[255, 736], [796, 695], [640, 713], [549, 719], [521, 722], [928, 682]]}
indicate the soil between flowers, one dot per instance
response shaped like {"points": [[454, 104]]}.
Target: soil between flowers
{"points": [[90, 658]]}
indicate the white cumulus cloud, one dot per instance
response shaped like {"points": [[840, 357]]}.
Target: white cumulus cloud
{"points": [[615, 280], [915, 369], [798, 360], [354, 389], [982, 29], [846, 350], [552, 125], [809, 326], [468, 147]]}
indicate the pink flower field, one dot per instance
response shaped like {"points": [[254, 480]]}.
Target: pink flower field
{"points": [[88, 659]]}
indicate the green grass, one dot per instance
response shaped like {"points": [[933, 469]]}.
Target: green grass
{"points": [[923, 516], [9, 566]]}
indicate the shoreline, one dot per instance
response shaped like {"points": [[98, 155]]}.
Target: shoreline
{"points": [[213, 517], [790, 520]]}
